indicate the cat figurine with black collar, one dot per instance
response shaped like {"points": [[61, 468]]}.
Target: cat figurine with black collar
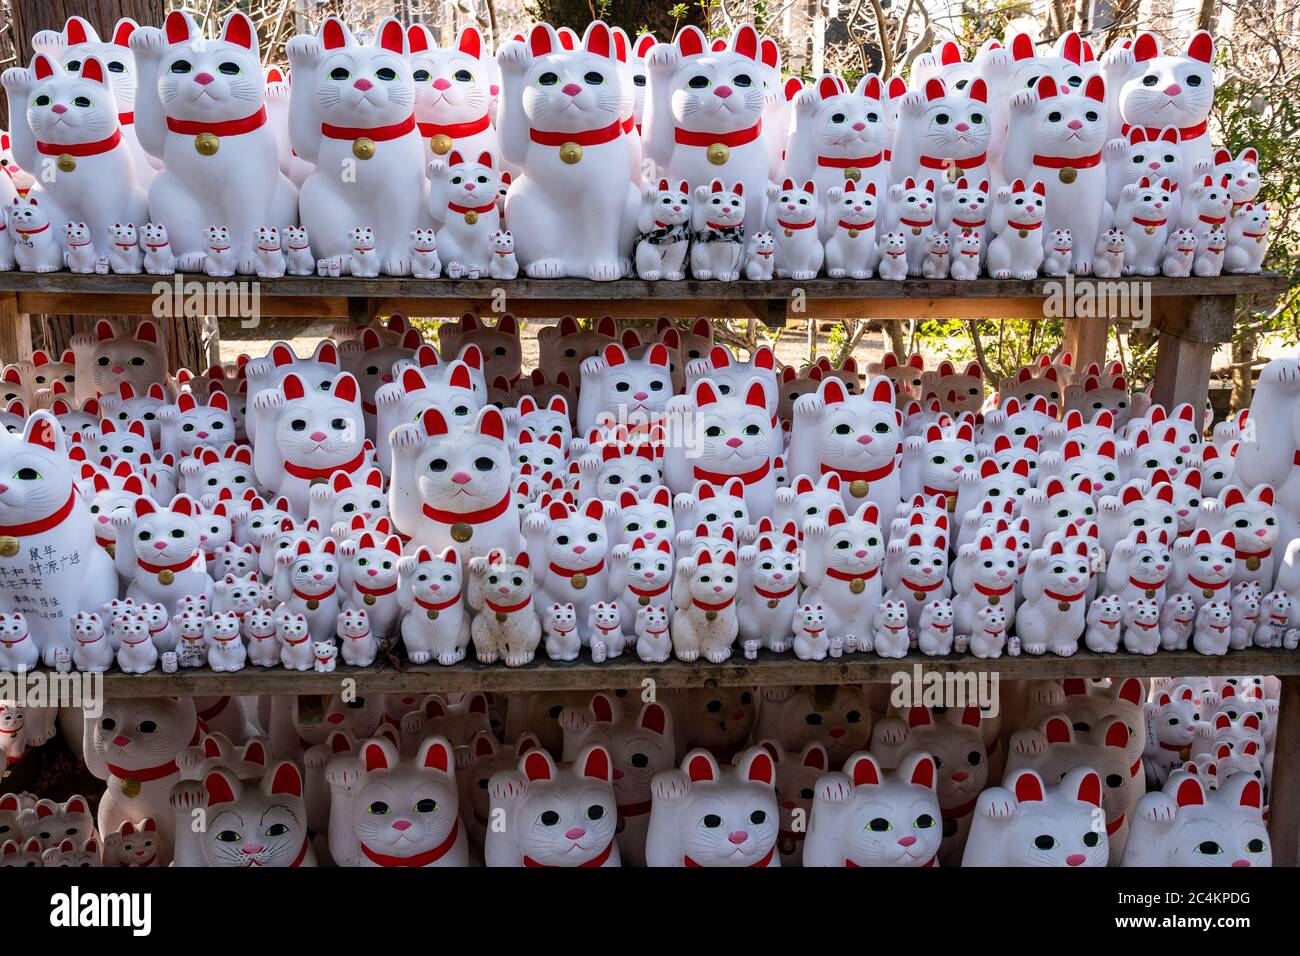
{"points": [[573, 206], [351, 109], [718, 223], [208, 127], [664, 225]]}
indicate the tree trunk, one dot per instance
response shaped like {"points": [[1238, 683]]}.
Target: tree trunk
{"points": [[1244, 344], [1207, 14], [188, 343]]}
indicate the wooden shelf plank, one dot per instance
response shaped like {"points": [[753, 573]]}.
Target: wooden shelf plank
{"points": [[629, 672]]}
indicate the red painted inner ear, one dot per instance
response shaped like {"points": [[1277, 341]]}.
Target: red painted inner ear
{"points": [[1028, 788], [865, 773], [537, 767], [218, 789], [700, 768], [287, 780]]}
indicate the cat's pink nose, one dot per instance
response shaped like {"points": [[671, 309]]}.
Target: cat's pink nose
{"points": [[1241, 862], [579, 548], [737, 837], [906, 841], [58, 108], [1218, 567], [717, 587], [835, 733], [252, 848], [1076, 859], [401, 825], [574, 833], [318, 436], [4, 488], [737, 714], [859, 127], [469, 187], [734, 442], [159, 545], [363, 84], [461, 477], [372, 571], [640, 396], [1153, 165], [1173, 89], [573, 89], [103, 519], [723, 91], [962, 127], [120, 741], [334, 718], [318, 577], [860, 553], [1260, 532], [1075, 124], [204, 78], [960, 776], [442, 83], [864, 439]]}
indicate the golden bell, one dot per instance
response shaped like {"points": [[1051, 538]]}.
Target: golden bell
{"points": [[471, 217], [579, 581], [431, 614], [66, 162], [1151, 230], [1069, 174], [916, 230], [853, 174], [1207, 592], [954, 173], [853, 233], [952, 503], [1150, 592], [859, 488], [363, 147], [919, 595], [370, 599], [772, 602], [461, 532], [570, 153], [1023, 233], [166, 577], [786, 846], [502, 617], [1063, 605], [8, 546], [111, 549], [313, 604], [130, 787], [207, 144], [644, 600], [710, 615], [717, 154], [440, 144], [1252, 564], [995, 599], [789, 233], [857, 585]]}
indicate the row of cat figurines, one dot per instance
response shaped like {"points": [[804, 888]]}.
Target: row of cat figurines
{"points": [[566, 128]]}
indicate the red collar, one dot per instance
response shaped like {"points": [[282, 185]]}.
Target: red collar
{"points": [[145, 775], [915, 223], [844, 576], [920, 587], [302, 854], [992, 592], [1074, 162], [126, 119], [640, 593], [932, 162], [1027, 226], [767, 858], [1062, 597], [18, 640], [703, 606], [1148, 585], [437, 607], [1114, 825], [774, 595], [509, 608], [739, 138], [305, 638], [31, 232], [957, 812], [858, 162], [468, 517], [308, 473], [376, 592], [629, 123], [596, 861], [218, 706], [795, 225], [380, 134], [456, 207], [1176, 748], [174, 568], [1184, 134], [634, 809], [41, 524], [1208, 587], [1245, 555], [570, 572], [1152, 222], [454, 130], [586, 137], [855, 225], [848, 474], [89, 149], [431, 855], [1214, 222], [932, 491], [227, 128], [967, 225], [748, 477], [314, 597]]}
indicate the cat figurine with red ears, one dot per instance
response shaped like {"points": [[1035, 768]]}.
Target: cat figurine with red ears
{"points": [[419, 825], [454, 92], [573, 206], [555, 815], [369, 578], [435, 623], [1188, 823], [792, 218], [108, 357], [351, 108], [252, 823], [208, 126], [703, 815], [462, 197], [1027, 822]]}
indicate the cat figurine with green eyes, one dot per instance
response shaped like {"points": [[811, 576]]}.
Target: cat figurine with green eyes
{"points": [[369, 578], [1028, 822], [454, 92], [1190, 824], [249, 823], [435, 624]]}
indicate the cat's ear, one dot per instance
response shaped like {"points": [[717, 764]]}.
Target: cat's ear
{"points": [[701, 767], [43, 429], [691, 41], [1087, 785], [378, 754], [758, 766], [491, 424], [598, 40], [656, 719], [392, 37], [92, 69], [920, 770], [756, 396], [863, 769], [596, 763], [814, 756], [238, 29], [1027, 785], [220, 787], [435, 754], [470, 42], [286, 779], [179, 27], [537, 765]]}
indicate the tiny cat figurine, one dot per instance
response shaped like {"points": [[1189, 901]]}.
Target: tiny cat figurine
{"points": [[851, 248], [218, 252], [298, 257], [1180, 253], [1177, 618], [420, 824], [938, 248], [1058, 253], [1142, 626], [503, 264], [811, 642], [80, 256], [1017, 246], [1209, 252], [252, 823], [1011, 822], [890, 637], [653, 643], [505, 625], [1247, 238], [262, 641], [664, 224], [295, 642], [325, 656], [159, 259], [1108, 261], [1213, 629], [913, 205], [1105, 621], [36, 247], [435, 623], [704, 594], [361, 259], [760, 259], [1275, 629], [988, 636], [792, 219], [462, 195], [92, 651], [560, 625], [19, 653], [605, 623], [132, 844], [225, 648], [893, 256], [360, 645], [267, 253], [718, 240], [935, 629], [706, 815], [425, 263]]}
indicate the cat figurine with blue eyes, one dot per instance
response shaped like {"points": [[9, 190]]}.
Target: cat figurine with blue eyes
{"points": [[1027, 822], [865, 816], [453, 93], [95, 182], [352, 107], [573, 207]]}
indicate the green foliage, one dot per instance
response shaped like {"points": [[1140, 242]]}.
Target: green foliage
{"points": [[632, 15]]}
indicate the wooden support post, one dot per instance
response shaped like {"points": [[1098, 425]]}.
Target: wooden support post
{"points": [[1085, 340], [1284, 795], [15, 330], [1190, 331]]}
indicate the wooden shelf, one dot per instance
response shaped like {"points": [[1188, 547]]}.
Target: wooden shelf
{"points": [[768, 669]]}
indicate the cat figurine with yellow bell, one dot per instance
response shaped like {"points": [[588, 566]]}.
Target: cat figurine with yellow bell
{"points": [[208, 125], [369, 578], [454, 93], [352, 113], [462, 196]]}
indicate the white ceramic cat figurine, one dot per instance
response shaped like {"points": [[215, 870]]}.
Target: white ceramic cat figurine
{"points": [[295, 642], [36, 246], [1191, 824], [1142, 626], [267, 253], [370, 580], [80, 256], [913, 210], [664, 225], [306, 582], [1017, 247], [892, 249], [351, 110], [811, 643], [759, 260], [1026, 822], [934, 263], [455, 92], [718, 227], [253, 823], [792, 218], [851, 248], [572, 204], [208, 127], [92, 651], [653, 639], [1180, 254], [843, 556], [159, 258], [942, 131], [1213, 631], [1247, 238], [1058, 253], [1144, 212], [1105, 621], [1210, 252], [19, 652], [935, 629], [505, 625], [225, 647], [704, 594], [425, 263], [1053, 614], [462, 197]]}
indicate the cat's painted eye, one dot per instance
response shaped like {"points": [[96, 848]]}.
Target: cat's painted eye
{"points": [[595, 812], [1044, 841], [943, 119], [837, 117], [340, 73], [923, 822], [698, 82], [463, 76], [82, 101], [548, 818], [743, 80], [712, 821], [977, 118], [1054, 117], [593, 78], [228, 836], [378, 808], [548, 79], [42, 100], [277, 829], [229, 68], [182, 66], [27, 474], [879, 825], [420, 76], [427, 805], [386, 73], [1256, 846]]}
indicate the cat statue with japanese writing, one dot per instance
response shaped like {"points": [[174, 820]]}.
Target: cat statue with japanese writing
{"points": [[207, 124], [351, 113], [249, 823], [573, 206]]}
